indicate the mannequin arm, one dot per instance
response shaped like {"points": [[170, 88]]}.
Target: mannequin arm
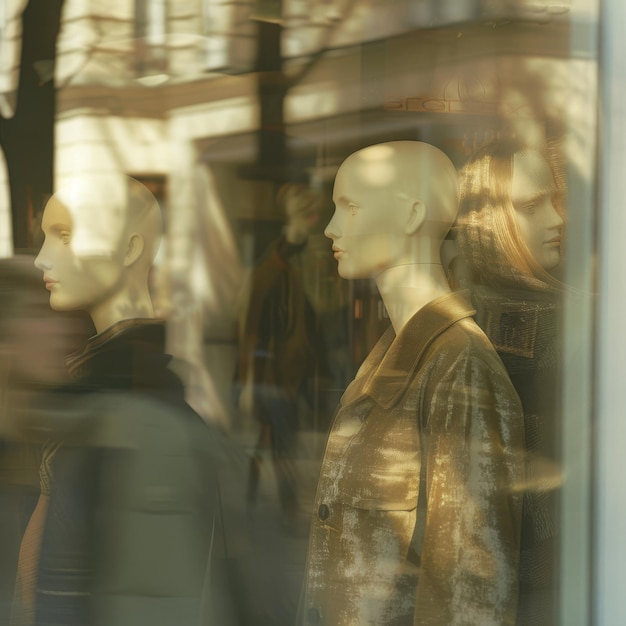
{"points": [[470, 549]]}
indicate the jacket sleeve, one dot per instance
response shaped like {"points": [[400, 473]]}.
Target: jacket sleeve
{"points": [[473, 443]]}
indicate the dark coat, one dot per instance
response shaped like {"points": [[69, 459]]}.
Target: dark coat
{"points": [[523, 325], [134, 510], [279, 339]]}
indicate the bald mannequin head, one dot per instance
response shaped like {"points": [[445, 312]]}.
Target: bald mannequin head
{"points": [[395, 203], [101, 236]]}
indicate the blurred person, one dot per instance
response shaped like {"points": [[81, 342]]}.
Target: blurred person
{"points": [[284, 383], [281, 349], [416, 518], [33, 343], [132, 527], [510, 235]]}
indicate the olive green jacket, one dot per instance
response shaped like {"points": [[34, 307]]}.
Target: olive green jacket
{"points": [[418, 506]]}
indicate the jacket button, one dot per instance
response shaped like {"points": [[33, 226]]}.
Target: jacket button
{"points": [[313, 616], [323, 512]]}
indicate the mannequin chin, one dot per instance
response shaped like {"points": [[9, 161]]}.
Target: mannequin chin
{"points": [[106, 276]]}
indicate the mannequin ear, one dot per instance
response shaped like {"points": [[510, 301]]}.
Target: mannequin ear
{"points": [[134, 250], [417, 216]]}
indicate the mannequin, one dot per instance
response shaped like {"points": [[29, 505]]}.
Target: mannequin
{"points": [[100, 267], [416, 519], [96, 257], [510, 234], [407, 270], [131, 460], [510, 223]]}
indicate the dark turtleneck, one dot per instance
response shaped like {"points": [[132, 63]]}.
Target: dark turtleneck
{"points": [[128, 356]]}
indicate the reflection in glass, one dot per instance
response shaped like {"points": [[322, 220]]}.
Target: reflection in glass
{"points": [[281, 349], [129, 510], [222, 102], [510, 233], [33, 343]]}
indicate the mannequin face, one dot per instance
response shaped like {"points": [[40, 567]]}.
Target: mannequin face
{"points": [[533, 191], [75, 282], [367, 228]]}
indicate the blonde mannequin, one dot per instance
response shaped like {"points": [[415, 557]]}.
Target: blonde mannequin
{"points": [[510, 235], [510, 199]]}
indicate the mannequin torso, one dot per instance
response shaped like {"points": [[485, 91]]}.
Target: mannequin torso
{"points": [[416, 519]]}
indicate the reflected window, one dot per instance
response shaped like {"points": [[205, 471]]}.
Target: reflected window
{"points": [[150, 36]]}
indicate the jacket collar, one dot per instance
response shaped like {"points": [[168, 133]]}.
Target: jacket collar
{"points": [[130, 350], [388, 369]]}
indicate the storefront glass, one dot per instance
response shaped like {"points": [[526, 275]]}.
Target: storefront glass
{"points": [[457, 469]]}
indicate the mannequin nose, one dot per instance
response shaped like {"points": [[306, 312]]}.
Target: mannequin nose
{"points": [[332, 230], [42, 263], [556, 220]]}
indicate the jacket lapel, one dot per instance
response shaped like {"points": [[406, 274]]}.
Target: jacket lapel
{"points": [[389, 368]]}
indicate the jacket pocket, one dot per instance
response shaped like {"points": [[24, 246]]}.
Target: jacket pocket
{"points": [[394, 489]]}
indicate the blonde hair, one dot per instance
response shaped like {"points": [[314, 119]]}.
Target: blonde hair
{"points": [[486, 228]]}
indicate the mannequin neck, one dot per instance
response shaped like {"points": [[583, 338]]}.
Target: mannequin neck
{"points": [[405, 289], [130, 303]]}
